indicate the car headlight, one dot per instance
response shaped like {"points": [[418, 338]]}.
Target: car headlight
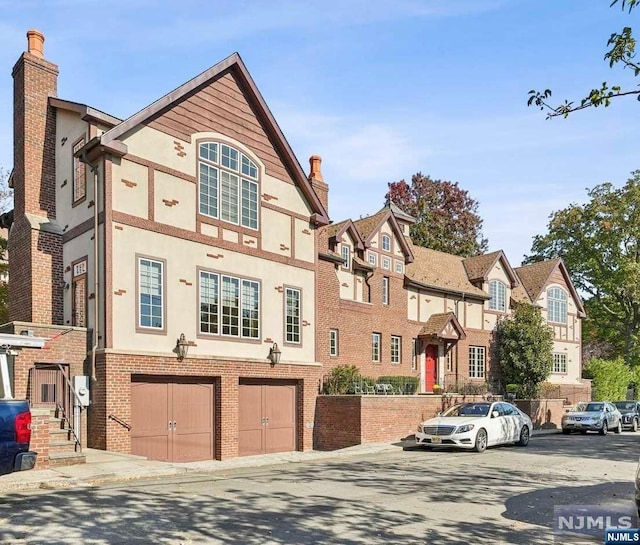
{"points": [[419, 428], [465, 428]]}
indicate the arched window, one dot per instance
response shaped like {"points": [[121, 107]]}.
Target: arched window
{"points": [[386, 243], [498, 294], [228, 184], [557, 305]]}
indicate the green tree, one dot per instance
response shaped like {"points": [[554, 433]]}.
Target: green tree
{"points": [[609, 378], [622, 51], [446, 216], [600, 244], [524, 348]]}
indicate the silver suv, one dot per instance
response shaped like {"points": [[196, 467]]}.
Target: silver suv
{"points": [[600, 416]]}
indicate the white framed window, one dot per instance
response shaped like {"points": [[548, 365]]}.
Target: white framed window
{"points": [[386, 243], [498, 294], [150, 293], [559, 363], [227, 185], [386, 263], [557, 305], [396, 349], [476, 361], [448, 360], [346, 256], [385, 290], [414, 354], [373, 258], [333, 343], [293, 316], [229, 306], [79, 174], [375, 346], [399, 267]]}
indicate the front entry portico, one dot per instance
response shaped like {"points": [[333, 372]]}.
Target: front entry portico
{"points": [[441, 331]]}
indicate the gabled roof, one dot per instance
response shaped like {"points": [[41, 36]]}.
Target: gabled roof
{"points": [[368, 227], [444, 326], [478, 267], [234, 64], [335, 231], [536, 277], [398, 212], [441, 272]]}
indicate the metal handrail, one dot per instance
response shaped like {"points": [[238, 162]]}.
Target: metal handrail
{"points": [[120, 421], [69, 402]]}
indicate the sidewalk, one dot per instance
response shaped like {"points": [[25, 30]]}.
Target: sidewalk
{"points": [[108, 467]]}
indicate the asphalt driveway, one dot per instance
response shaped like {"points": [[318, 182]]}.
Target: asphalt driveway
{"points": [[404, 495]]}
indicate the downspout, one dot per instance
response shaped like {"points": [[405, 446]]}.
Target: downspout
{"points": [[94, 347]]}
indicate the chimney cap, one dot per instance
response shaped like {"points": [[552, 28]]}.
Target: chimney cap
{"points": [[315, 173], [35, 43]]}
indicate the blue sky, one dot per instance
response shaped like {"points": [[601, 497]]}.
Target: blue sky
{"points": [[379, 89]]}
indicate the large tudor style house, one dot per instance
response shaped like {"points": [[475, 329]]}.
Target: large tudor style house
{"points": [[183, 260]]}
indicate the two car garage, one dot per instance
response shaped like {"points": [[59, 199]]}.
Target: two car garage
{"points": [[180, 419]]}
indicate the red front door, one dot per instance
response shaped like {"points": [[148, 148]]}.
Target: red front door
{"points": [[430, 359]]}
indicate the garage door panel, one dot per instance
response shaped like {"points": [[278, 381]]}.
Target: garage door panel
{"points": [[280, 439], [153, 447], [192, 447], [149, 408], [189, 403], [280, 403], [250, 442]]}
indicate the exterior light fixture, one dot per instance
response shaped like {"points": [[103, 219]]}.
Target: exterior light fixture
{"points": [[274, 354], [182, 347]]}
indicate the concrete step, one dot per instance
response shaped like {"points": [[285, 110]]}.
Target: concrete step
{"points": [[62, 447], [66, 459]]}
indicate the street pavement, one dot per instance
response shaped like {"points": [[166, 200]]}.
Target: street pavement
{"points": [[371, 494]]}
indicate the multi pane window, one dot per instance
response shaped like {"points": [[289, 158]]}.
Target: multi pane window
{"points": [[498, 294], [385, 290], [228, 185], [476, 361], [346, 256], [375, 346], [396, 349], [386, 263], [373, 259], [79, 174], [399, 267], [229, 306], [292, 315], [386, 243], [333, 342], [559, 363], [557, 305], [447, 360], [151, 293]]}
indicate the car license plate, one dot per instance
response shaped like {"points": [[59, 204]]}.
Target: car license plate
{"points": [[436, 439]]}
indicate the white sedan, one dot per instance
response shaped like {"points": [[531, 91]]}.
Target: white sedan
{"points": [[476, 426]]}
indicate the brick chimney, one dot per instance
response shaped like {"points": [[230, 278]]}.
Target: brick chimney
{"points": [[318, 184], [35, 241]]}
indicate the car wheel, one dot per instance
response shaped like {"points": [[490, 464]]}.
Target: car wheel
{"points": [[604, 429], [619, 428], [524, 437], [634, 425], [566, 432], [481, 440]]}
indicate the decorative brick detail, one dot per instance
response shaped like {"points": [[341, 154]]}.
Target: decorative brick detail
{"points": [[305, 323], [118, 227], [119, 292], [249, 241], [171, 202], [284, 248], [91, 204], [186, 282], [128, 183], [279, 289], [63, 141], [63, 184], [306, 231], [215, 256], [179, 148], [267, 197]]}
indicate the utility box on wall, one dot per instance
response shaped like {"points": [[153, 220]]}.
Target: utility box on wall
{"points": [[81, 386]]}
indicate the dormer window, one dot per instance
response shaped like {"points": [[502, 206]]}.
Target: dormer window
{"points": [[386, 243], [498, 294], [346, 256], [228, 184]]}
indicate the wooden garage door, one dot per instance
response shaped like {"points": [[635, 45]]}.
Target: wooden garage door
{"points": [[267, 419], [172, 421]]}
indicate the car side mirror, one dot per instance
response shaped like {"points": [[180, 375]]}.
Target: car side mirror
{"points": [[495, 414]]}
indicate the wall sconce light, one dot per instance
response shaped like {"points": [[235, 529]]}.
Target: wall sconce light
{"points": [[182, 347], [274, 354]]}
